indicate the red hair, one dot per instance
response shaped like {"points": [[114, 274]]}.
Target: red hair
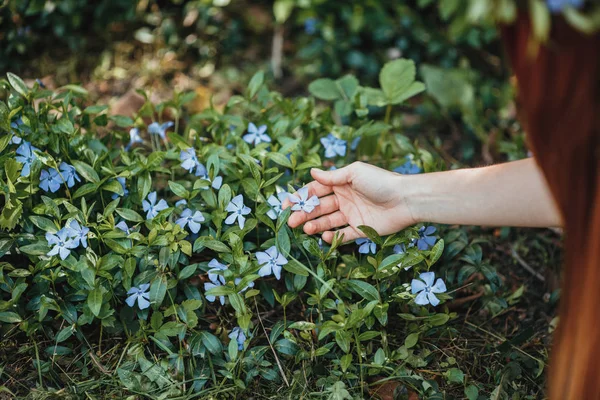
{"points": [[559, 102]]}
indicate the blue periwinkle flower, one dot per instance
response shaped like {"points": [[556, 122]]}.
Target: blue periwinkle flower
{"points": [[151, 207], [275, 203], [400, 249], [62, 242], [408, 168], [160, 129], [256, 135], [50, 180], [26, 156], [139, 294], [121, 180], [355, 142], [78, 233], [134, 137], [239, 336], [302, 202], [123, 226], [237, 209], [189, 162], [333, 146], [557, 6], [366, 246], [271, 262], [310, 26], [215, 267], [427, 289], [211, 285], [69, 174], [191, 219], [425, 240]]}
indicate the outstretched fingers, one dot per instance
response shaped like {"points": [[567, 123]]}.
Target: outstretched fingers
{"points": [[327, 205], [325, 223]]}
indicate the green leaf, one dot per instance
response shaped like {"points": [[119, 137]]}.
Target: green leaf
{"points": [[96, 109], [179, 190], [397, 80], [411, 340], [65, 126], [454, 375], [471, 392], [324, 89], [363, 289], [10, 317], [280, 159], [113, 186], [349, 86], [371, 234], [86, 171], [129, 215], [44, 223], [18, 84], [255, 83], [158, 290], [94, 300], [188, 271], [4, 119], [438, 319], [211, 342], [286, 346], [144, 184], [205, 241], [390, 261], [302, 326], [295, 267], [85, 189], [122, 121]]}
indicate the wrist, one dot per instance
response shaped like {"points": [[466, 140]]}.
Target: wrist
{"points": [[411, 190]]}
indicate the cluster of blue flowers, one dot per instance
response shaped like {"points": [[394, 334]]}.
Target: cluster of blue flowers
{"points": [[153, 129], [51, 179], [68, 238], [189, 162]]}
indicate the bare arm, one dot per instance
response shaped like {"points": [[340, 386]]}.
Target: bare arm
{"points": [[510, 194]]}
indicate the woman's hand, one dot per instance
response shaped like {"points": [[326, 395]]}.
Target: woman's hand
{"points": [[359, 194]]}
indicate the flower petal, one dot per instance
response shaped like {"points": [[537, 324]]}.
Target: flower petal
{"points": [[433, 300], [422, 299], [231, 219], [417, 286], [439, 287], [428, 278]]}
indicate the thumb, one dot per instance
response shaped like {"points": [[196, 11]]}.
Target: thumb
{"points": [[331, 178]]}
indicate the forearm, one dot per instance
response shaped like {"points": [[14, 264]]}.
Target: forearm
{"points": [[510, 194]]}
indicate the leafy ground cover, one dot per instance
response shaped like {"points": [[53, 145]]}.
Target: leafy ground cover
{"points": [[156, 301]]}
